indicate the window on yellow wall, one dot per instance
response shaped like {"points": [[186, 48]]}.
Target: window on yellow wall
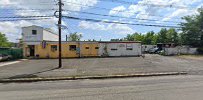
{"points": [[96, 47], [72, 47], [87, 47], [53, 48]]}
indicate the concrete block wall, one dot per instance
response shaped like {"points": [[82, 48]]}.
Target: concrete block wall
{"points": [[180, 50]]}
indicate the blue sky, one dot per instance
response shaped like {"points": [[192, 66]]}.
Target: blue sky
{"points": [[130, 13]]}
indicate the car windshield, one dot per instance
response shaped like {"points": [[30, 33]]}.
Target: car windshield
{"points": [[101, 49]]}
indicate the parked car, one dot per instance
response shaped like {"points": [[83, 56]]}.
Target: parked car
{"points": [[4, 57], [153, 50]]}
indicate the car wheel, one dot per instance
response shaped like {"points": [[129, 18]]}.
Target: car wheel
{"points": [[9, 59]]}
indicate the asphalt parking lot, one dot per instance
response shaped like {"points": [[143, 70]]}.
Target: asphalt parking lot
{"points": [[102, 66]]}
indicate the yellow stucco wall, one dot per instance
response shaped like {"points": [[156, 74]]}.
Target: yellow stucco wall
{"points": [[24, 50], [66, 52], [89, 49], [45, 52]]}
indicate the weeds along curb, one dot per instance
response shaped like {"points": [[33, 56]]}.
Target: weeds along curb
{"points": [[21, 80]]}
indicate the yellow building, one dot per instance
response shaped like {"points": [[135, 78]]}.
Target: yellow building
{"points": [[47, 49], [41, 42], [89, 49]]}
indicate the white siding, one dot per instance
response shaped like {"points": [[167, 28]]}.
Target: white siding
{"points": [[180, 50], [48, 36], [32, 43], [41, 35], [28, 36], [120, 49]]}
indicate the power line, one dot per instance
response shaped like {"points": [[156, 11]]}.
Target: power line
{"points": [[38, 3], [107, 9], [96, 7], [27, 17], [71, 27], [31, 9], [24, 11], [68, 25], [86, 13], [97, 20], [148, 4], [97, 14], [23, 19], [105, 15]]}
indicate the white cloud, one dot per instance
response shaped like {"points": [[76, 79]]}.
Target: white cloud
{"points": [[178, 12], [126, 12], [114, 28], [117, 10], [145, 12], [3, 2], [93, 26], [13, 29]]}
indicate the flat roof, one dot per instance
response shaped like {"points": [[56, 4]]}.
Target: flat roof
{"points": [[92, 41], [119, 41]]}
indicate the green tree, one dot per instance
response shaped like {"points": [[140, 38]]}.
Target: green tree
{"points": [[162, 36], [192, 29], [139, 37], [74, 37], [3, 41], [149, 38], [130, 37], [134, 37], [172, 36]]}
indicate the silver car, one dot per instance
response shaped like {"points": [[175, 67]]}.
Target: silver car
{"points": [[153, 50], [4, 57]]}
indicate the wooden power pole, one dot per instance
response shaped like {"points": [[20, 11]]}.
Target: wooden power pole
{"points": [[59, 29]]}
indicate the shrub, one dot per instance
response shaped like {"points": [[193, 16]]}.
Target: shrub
{"points": [[162, 53], [200, 50]]}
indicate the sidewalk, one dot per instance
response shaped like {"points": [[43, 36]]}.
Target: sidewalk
{"points": [[5, 63]]}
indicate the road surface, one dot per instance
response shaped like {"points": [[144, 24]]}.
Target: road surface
{"points": [[186, 87]]}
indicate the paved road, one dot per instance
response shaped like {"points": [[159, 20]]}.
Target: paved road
{"points": [[148, 88]]}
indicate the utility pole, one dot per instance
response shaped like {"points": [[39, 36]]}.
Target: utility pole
{"points": [[59, 30]]}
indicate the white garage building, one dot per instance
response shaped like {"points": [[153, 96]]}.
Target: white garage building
{"points": [[120, 49], [36, 33]]}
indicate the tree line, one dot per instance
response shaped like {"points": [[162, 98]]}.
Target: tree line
{"points": [[152, 38]]}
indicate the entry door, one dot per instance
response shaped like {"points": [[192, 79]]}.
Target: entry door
{"points": [[32, 50], [122, 49]]}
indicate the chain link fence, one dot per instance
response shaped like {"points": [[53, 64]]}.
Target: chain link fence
{"points": [[16, 53]]}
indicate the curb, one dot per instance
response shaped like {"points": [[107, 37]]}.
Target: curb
{"points": [[21, 80]]}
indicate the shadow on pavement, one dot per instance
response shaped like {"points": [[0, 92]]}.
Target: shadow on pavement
{"points": [[33, 75]]}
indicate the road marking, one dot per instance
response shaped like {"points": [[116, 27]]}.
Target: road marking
{"points": [[9, 63]]}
